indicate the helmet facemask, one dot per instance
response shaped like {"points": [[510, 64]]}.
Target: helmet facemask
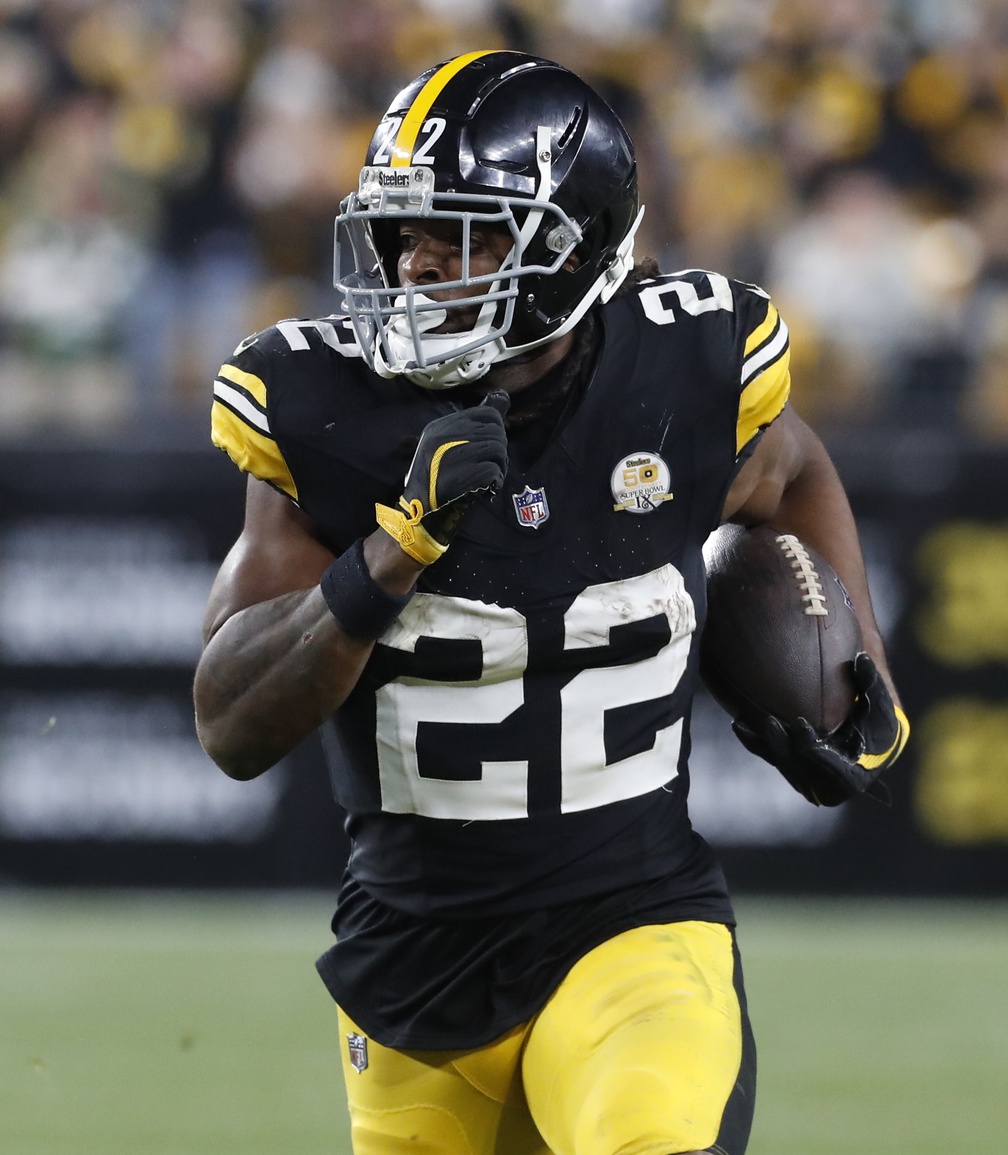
{"points": [[396, 325], [561, 260]]}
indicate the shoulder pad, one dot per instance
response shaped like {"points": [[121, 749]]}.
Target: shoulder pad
{"points": [[295, 334], [746, 340], [240, 414], [765, 374], [293, 354], [334, 331]]}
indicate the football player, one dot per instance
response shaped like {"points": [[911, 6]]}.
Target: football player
{"points": [[471, 555]]}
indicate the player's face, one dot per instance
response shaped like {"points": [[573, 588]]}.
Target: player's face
{"points": [[431, 254]]}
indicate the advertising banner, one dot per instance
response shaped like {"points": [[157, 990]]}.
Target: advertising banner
{"points": [[106, 561]]}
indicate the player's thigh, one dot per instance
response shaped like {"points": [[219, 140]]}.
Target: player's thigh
{"points": [[645, 1048], [437, 1102]]}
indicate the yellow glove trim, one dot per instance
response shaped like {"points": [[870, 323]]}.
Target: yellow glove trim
{"points": [[408, 532], [435, 465], [874, 761]]}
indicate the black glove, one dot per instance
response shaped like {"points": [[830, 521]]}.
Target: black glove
{"points": [[829, 770], [459, 456]]}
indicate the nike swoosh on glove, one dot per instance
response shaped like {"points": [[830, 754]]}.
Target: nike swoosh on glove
{"points": [[850, 761], [459, 456]]}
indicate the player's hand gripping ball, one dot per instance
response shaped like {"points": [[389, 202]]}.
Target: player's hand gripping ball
{"points": [[459, 456], [851, 760], [782, 654]]}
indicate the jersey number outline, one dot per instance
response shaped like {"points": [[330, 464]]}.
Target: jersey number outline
{"points": [[501, 791]]}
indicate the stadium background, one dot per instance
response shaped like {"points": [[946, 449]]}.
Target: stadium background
{"points": [[169, 173]]}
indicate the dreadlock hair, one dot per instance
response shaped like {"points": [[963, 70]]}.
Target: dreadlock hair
{"points": [[551, 396], [646, 269]]}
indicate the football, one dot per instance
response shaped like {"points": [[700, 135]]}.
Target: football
{"points": [[781, 631]]}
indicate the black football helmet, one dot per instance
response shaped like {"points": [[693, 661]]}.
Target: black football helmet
{"points": [[489, 138]]}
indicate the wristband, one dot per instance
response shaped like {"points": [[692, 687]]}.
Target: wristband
{"points": [[356, 600]]}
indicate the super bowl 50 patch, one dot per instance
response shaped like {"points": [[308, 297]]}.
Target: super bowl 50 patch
{"points": [[640, 483], [358, 1052], [530, 506]]}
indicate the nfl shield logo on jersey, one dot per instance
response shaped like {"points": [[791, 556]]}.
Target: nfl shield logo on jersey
{"points": [[531, 507], [358, 1052]]}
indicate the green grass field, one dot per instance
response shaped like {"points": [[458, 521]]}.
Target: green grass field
{"points": [[183, 1025]]}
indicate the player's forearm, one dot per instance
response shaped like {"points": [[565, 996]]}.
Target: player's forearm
{"points": [[815, 508], [269, 676], [272, 672]]}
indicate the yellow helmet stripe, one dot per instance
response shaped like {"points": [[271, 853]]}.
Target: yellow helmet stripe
{"points": [[409, 130]]}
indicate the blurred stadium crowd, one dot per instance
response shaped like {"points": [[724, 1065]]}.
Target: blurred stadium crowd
{"points": [[170, 170]]}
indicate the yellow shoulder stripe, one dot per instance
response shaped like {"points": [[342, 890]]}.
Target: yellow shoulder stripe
{"points": [[252, 384], [762, 400], [762, 331], [252, 451], [409, 130]]}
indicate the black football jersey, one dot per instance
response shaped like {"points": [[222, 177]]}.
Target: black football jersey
{"points": [[519, 737]]}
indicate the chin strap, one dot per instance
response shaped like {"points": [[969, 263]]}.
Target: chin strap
{"points": [[410, 334]]}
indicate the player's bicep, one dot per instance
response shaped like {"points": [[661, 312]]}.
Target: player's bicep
{"points": [[758, 487], [277, 552]]}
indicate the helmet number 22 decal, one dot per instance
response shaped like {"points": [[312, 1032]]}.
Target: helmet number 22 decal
{"points": [[430, 132]]}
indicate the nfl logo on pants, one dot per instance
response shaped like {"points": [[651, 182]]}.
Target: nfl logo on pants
{"points": [[531, 507], [358, 1052]]}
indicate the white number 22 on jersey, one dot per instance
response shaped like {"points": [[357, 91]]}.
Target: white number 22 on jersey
{"points": [[595, 687], [656, 298]]}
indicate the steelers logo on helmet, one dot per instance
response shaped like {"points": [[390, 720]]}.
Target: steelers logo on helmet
{"points": [[493, 140], [640, 483]]}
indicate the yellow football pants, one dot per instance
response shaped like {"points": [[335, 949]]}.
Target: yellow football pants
{"points": [[636, 1053]]}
